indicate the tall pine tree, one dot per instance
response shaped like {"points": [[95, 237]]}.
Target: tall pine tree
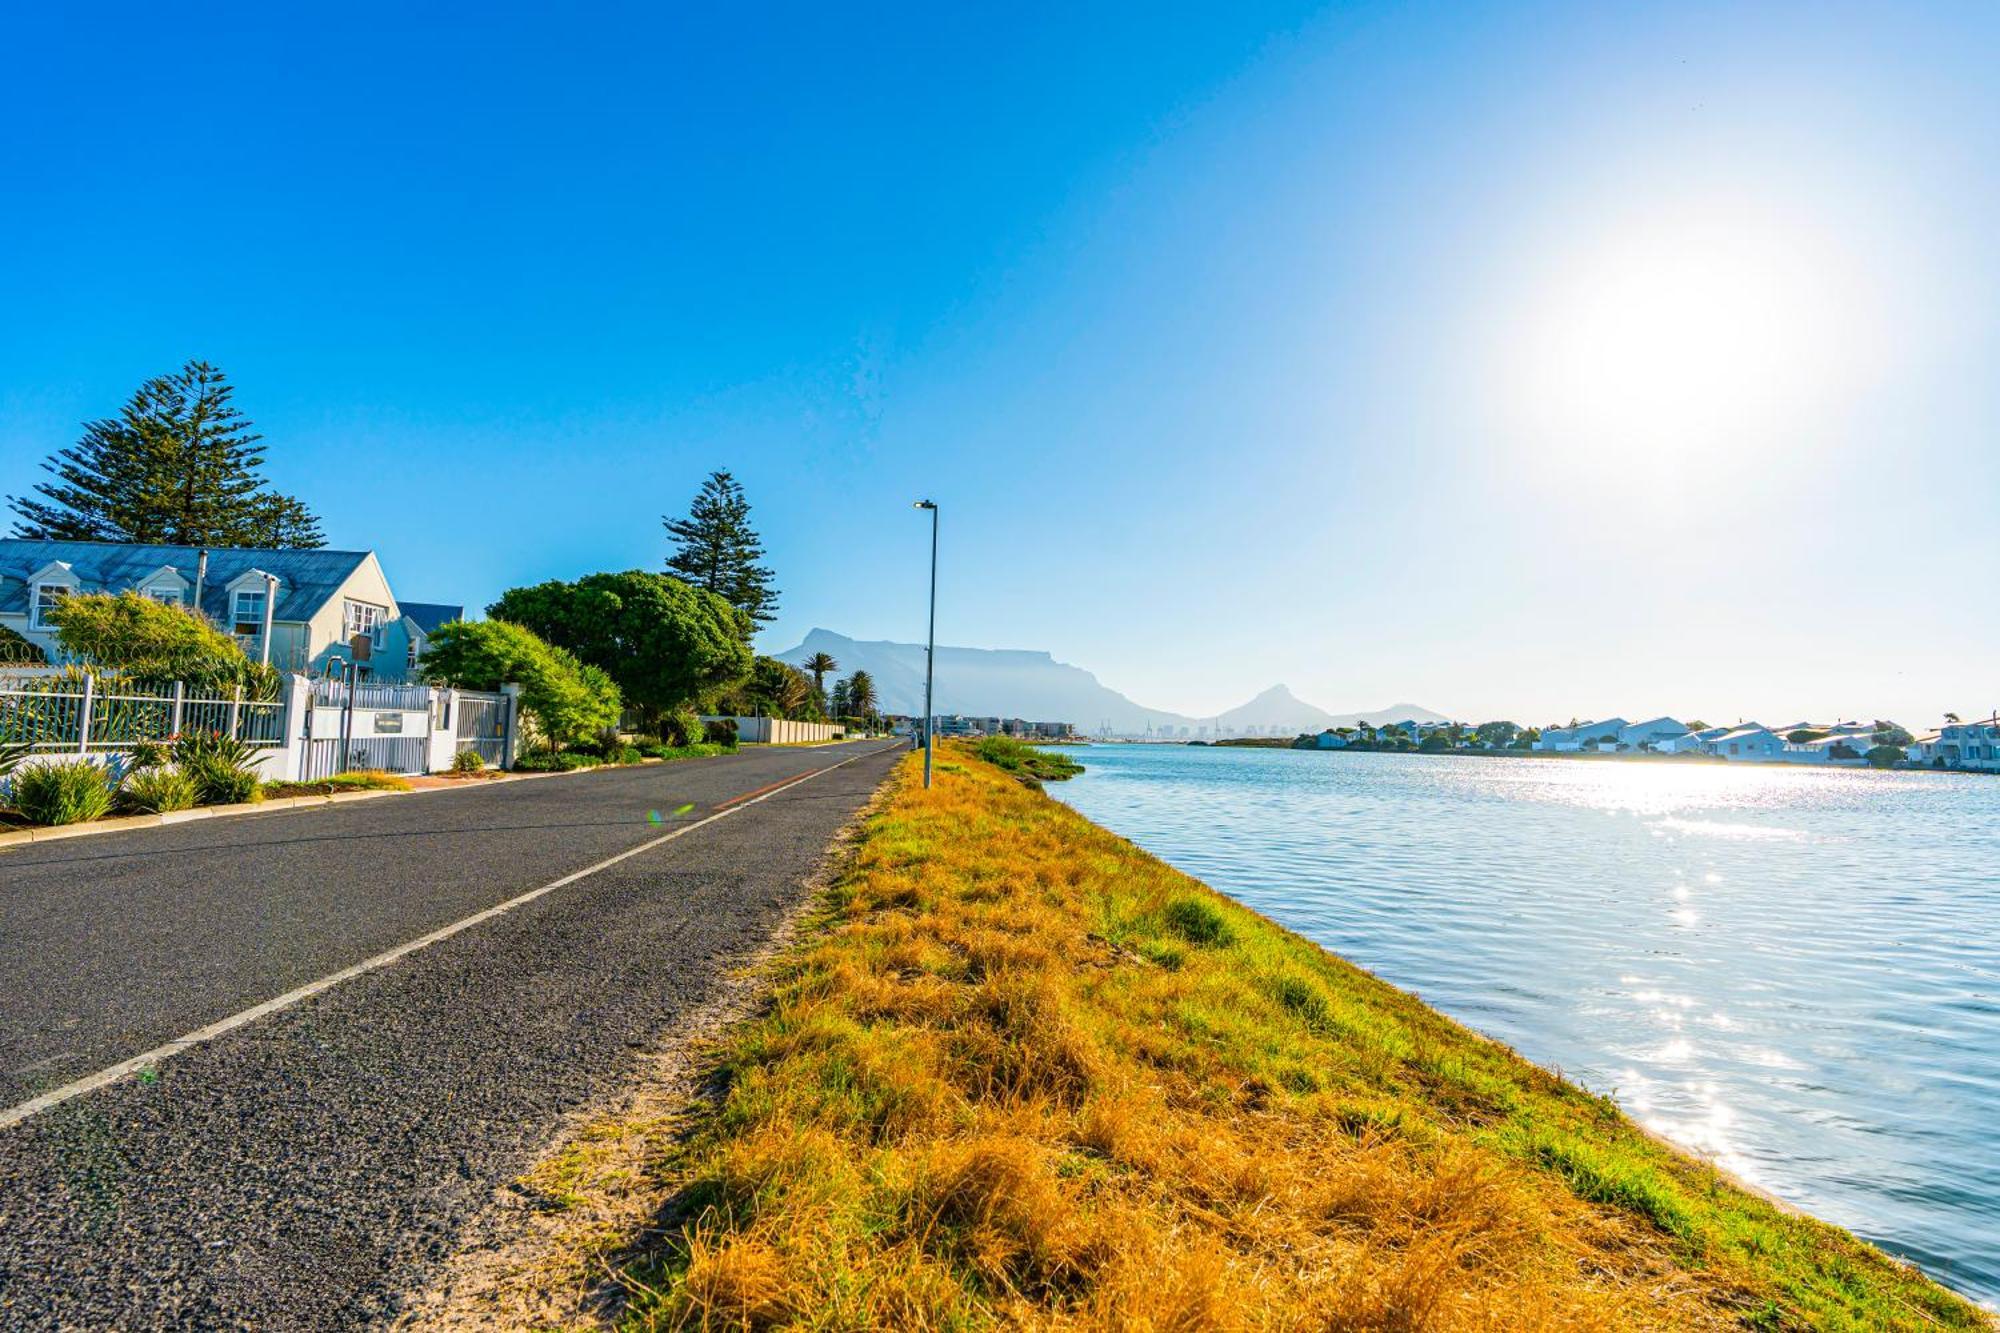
{"points": [[179, 466], [717, 550]]}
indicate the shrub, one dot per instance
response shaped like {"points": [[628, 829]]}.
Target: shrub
{"points": [[148, 639], [65, 791], [157, 790], [468, 761], [1885, 756], [147, 754], [683, 727], [222, 783], [564, 700], [721, 732], [622, 754], [555, 761], [220, 767]]}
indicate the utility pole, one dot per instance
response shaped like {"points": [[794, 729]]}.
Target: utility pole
{"points": [[930, 642]]}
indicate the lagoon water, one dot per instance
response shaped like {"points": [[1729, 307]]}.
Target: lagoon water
{"points": [[1795, 973]]}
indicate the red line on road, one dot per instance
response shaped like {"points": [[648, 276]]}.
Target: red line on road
{"points": [[773, 786]]}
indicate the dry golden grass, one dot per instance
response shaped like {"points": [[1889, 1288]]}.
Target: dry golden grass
{"points": [[1026, 1075]]}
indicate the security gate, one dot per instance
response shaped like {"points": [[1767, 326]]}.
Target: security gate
{"points": [[482, 725]]}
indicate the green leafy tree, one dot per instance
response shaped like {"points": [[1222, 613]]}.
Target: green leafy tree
{"points": [[1499, 734], [774, 689], [179, 465], [1889, 733], [666, 644], [563, 699], [1885, 756], [819, 664], [150, 640], [839, 704], [718, 551]]}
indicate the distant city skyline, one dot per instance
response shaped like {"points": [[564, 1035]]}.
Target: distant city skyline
{"points": [[1531, 361]]}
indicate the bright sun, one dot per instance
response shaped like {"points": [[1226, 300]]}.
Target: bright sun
{"points": [[1679, 338]]}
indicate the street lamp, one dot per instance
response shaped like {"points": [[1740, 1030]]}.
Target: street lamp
{"points": [[930, 643]]}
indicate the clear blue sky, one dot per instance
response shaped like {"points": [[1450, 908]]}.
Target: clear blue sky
{"points": [[1527, 360]]}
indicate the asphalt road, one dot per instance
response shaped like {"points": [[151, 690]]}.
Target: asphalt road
{"points": [[307, 1168]]}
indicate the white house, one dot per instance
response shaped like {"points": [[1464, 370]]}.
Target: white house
{"points": [[294, 609], [1749, 741], [1662, 733], [420, 621], [1966, 745], [1569, 739]]}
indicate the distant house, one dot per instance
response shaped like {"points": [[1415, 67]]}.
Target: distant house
{"points": [[421, 620], [294, 609], [1963, 745], [1749, 741], [1662, 733], [1566, 740], [1329, 740]]}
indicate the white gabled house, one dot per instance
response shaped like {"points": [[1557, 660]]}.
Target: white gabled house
{"points": [[1749, 741], [1565, 740], [1662, 733], [295, 609]]}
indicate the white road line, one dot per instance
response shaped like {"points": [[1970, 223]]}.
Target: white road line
{"points": [[14, 1115]]}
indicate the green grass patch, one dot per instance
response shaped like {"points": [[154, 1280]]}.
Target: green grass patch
{"points": [[364, 779]]}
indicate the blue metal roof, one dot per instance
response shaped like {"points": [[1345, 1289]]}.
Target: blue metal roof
{"points": [[307, 579], [429, 615]]}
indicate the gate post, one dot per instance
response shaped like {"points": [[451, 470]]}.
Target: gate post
{"points": [[180, 702], [511, 734], [83, 716]]}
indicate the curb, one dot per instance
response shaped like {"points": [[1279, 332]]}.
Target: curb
{"points": [[122, 823], [125, 823]]}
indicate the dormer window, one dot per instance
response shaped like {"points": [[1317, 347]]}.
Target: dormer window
{"points": [[168, 593], [247, 613], [47, 595]]}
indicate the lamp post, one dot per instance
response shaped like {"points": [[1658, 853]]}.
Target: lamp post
{"points": [[930, 641]]}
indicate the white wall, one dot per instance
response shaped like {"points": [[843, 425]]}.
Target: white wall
{"points": [[781, 731]]}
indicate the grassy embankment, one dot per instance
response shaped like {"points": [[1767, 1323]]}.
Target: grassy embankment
{"points": [[1022, 1072]]}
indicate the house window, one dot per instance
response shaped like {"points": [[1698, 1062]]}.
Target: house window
{"points": [[248, 616], [46, 596], [363, 618], [166, 592]]}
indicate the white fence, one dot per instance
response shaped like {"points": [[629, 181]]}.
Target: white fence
{"points": [[314, 729], [83, 716], [783, 731]]}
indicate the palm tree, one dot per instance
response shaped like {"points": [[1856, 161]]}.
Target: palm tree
{"points": [[861, 694], [819, 664], [788, 692]]}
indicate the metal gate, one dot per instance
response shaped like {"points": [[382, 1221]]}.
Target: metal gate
{"points": [[390, 754], [357, 740], [482, 725]]}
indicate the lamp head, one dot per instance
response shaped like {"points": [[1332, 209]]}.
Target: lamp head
{"points": [[924, 504]]}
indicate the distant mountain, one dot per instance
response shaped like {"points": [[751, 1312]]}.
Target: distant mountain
{"points": [[1009, 682]]}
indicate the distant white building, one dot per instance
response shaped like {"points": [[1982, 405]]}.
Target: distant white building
{"points": [[1658, 734], [1750, 741], [1962, 745], [1565, 740]]}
